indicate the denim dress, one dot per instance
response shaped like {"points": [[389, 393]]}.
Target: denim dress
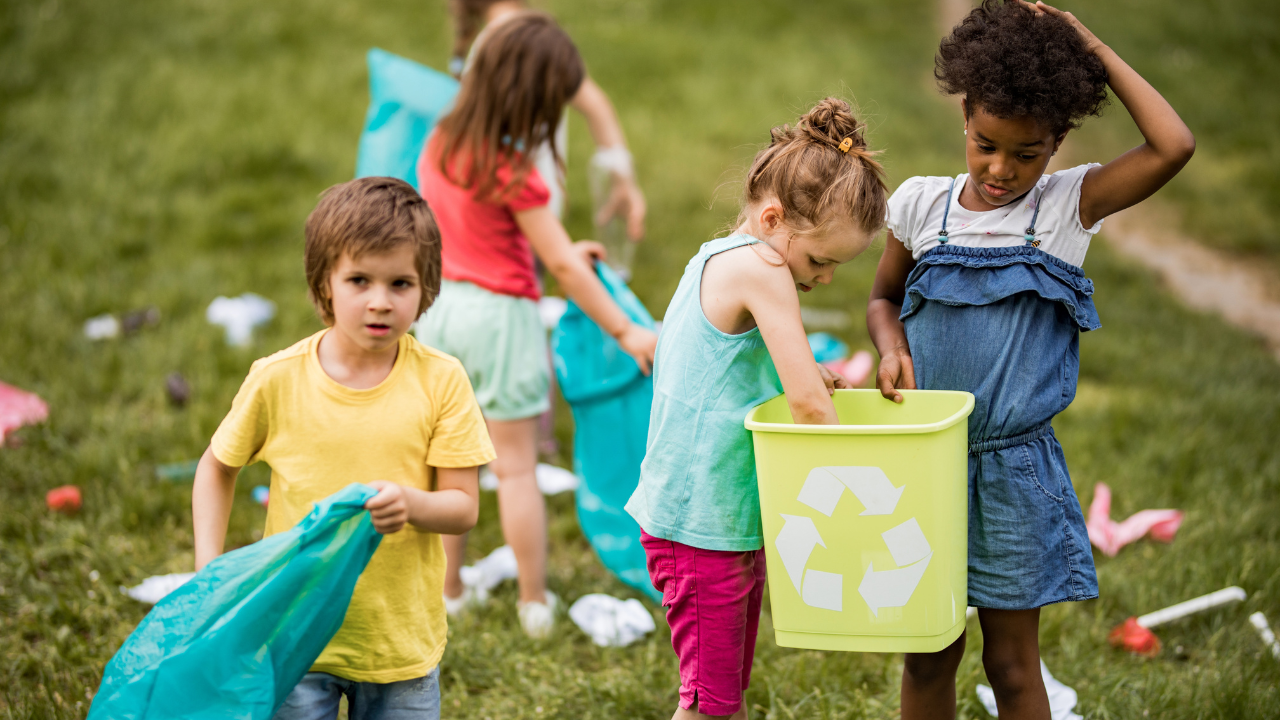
{"points": [[1004, 324]]}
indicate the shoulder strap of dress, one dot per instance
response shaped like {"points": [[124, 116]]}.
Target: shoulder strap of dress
{"points": [[946, 210], [1030, 237]]}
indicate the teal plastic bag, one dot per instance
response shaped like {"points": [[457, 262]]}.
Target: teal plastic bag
{"points": [[406, 100], [611, 400], [235, 640]]}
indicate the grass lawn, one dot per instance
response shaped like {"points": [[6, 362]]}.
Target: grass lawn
{"points": [[163, 153]]}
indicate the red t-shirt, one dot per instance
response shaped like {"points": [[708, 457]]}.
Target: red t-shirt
{"points": [[480, 241]]}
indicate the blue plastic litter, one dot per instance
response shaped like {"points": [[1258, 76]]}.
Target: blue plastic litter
{"points": [[406, 100], [827, 347], [235, 640], [611, 400]]}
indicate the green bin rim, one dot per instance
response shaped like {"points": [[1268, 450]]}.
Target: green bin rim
{"points": [[791, 428]]}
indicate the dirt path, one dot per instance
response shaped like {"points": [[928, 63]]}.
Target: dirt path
{"points": [[1246, 294]]}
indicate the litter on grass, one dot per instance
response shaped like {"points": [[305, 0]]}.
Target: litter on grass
{"points": [[18, 408], [1259, 623], [551, 309], [262, 495], [105, 327], [1135, 633], [827, 348], [552, 480], [1062, 699], [65, 499], [177, 388], [856, 369], [491, 570], [1109, 536], [611, 622], [102, 327], [240, 315], [155, 588]]}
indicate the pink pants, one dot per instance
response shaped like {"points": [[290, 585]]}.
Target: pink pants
{"points": [[713, 606]]}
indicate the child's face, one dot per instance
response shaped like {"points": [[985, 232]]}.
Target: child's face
{"points": [[1006, 156], [375, 297], [813, 257]]}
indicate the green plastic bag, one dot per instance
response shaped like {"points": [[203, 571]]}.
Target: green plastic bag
{"points": [[235, 640]]}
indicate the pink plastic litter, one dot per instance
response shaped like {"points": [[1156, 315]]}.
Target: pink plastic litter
{"points": [[18, 408], [856, 369], [1109, 536]]}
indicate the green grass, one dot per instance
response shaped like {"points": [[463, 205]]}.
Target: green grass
{"points": [[163, 153]]}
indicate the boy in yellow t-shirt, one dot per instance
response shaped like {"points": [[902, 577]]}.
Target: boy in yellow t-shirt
{"points": [[363, 401]]}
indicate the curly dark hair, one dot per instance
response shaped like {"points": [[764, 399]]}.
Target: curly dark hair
{"points": [[1011, 62]]}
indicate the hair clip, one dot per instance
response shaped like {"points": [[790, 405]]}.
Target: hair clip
{"points": [[845, 145]]}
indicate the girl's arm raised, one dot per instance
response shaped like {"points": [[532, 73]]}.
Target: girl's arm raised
{"points": [[580, 283], [626, 198], [769, 294], [1137, 174], [890, 338]]}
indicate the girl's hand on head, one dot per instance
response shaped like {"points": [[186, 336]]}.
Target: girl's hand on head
{"points": [[590, 251], [896, 372], [389, 508], [1091, 41], [833, 380], [640, 344]]}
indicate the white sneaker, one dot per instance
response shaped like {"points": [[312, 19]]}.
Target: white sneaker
{"points": [[538, 618], [471, 597]]}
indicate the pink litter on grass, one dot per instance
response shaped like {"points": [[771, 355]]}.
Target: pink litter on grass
{"points": [[1109, 536], [18, 408], [856, 369]]}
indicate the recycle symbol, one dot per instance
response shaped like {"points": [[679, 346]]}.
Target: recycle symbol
{"points": [[822, 491]]}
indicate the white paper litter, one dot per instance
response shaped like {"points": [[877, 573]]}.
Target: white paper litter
{"points": [[551, 309], [240, 315], [102, 327], [155, 588], [611, 622], [552, 480], [1259, 623], [491, 570], [1062, 699]]}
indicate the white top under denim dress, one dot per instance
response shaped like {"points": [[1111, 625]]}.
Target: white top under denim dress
{"points": [[698, 479], [994, 307]]}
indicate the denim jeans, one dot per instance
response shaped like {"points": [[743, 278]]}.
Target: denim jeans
{"points": [[317, 697]]}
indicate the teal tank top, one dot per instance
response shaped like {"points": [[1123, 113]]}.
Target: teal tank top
{"points": [[698, 479]]}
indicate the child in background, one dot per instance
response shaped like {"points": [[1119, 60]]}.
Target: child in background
{"points": [[491, 204], [980, 289], [731, 339], [362, 401], [625, 198]]}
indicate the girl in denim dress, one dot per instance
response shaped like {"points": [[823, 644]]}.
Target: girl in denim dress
{"points": [[980, 289]]}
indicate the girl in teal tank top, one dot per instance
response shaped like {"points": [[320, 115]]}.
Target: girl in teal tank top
{"points": [[731, 339]]}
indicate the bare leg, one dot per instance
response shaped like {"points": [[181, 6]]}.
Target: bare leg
{"points": [[1011, 657], [521, 508], [929, 683], [693, 714], [455, 553]]}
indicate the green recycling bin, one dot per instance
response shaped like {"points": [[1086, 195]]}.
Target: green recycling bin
{"points": [[866, 522]]}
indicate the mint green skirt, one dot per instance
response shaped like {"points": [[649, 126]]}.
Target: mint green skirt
{"points": [[500, 341]]}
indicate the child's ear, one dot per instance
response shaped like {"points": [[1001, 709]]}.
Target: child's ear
{"points": [[1057, 142]]}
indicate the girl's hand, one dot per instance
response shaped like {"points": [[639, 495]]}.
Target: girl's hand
{"points": [[1091, 41], [896, 372], [833, 380], [626, 200], [389, 508], [590, 251], [640, 344]]}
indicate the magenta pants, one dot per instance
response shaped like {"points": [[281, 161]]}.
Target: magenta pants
{"points": [[713, 606]]}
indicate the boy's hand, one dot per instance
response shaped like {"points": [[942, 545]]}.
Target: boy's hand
{"points": [[832, 379], [1091, 41], [389, 508], [640, 344], [896, 371]]}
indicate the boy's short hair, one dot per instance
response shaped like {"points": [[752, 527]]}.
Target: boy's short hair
{"points": [[370, 214]]}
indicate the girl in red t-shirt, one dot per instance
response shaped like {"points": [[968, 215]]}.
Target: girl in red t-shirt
{"points": [[491, 205]]}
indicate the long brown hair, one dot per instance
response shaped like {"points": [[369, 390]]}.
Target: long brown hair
{"points": [[511, 101], [468, 16], [813, 179]]}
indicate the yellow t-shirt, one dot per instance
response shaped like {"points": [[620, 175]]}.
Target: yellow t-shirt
{"points": [[319, 436]]}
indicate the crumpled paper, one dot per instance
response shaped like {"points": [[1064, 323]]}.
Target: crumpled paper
{"points": [[18, 408], [1109, 536], [240, 315], [552, 479], [153, 589], [490, 570], [611, 622], [1062, 699]]}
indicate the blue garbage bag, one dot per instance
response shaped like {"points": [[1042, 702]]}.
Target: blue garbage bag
{"points": [[235, 639], [406, 100], [611, 400], [827, 347]]}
